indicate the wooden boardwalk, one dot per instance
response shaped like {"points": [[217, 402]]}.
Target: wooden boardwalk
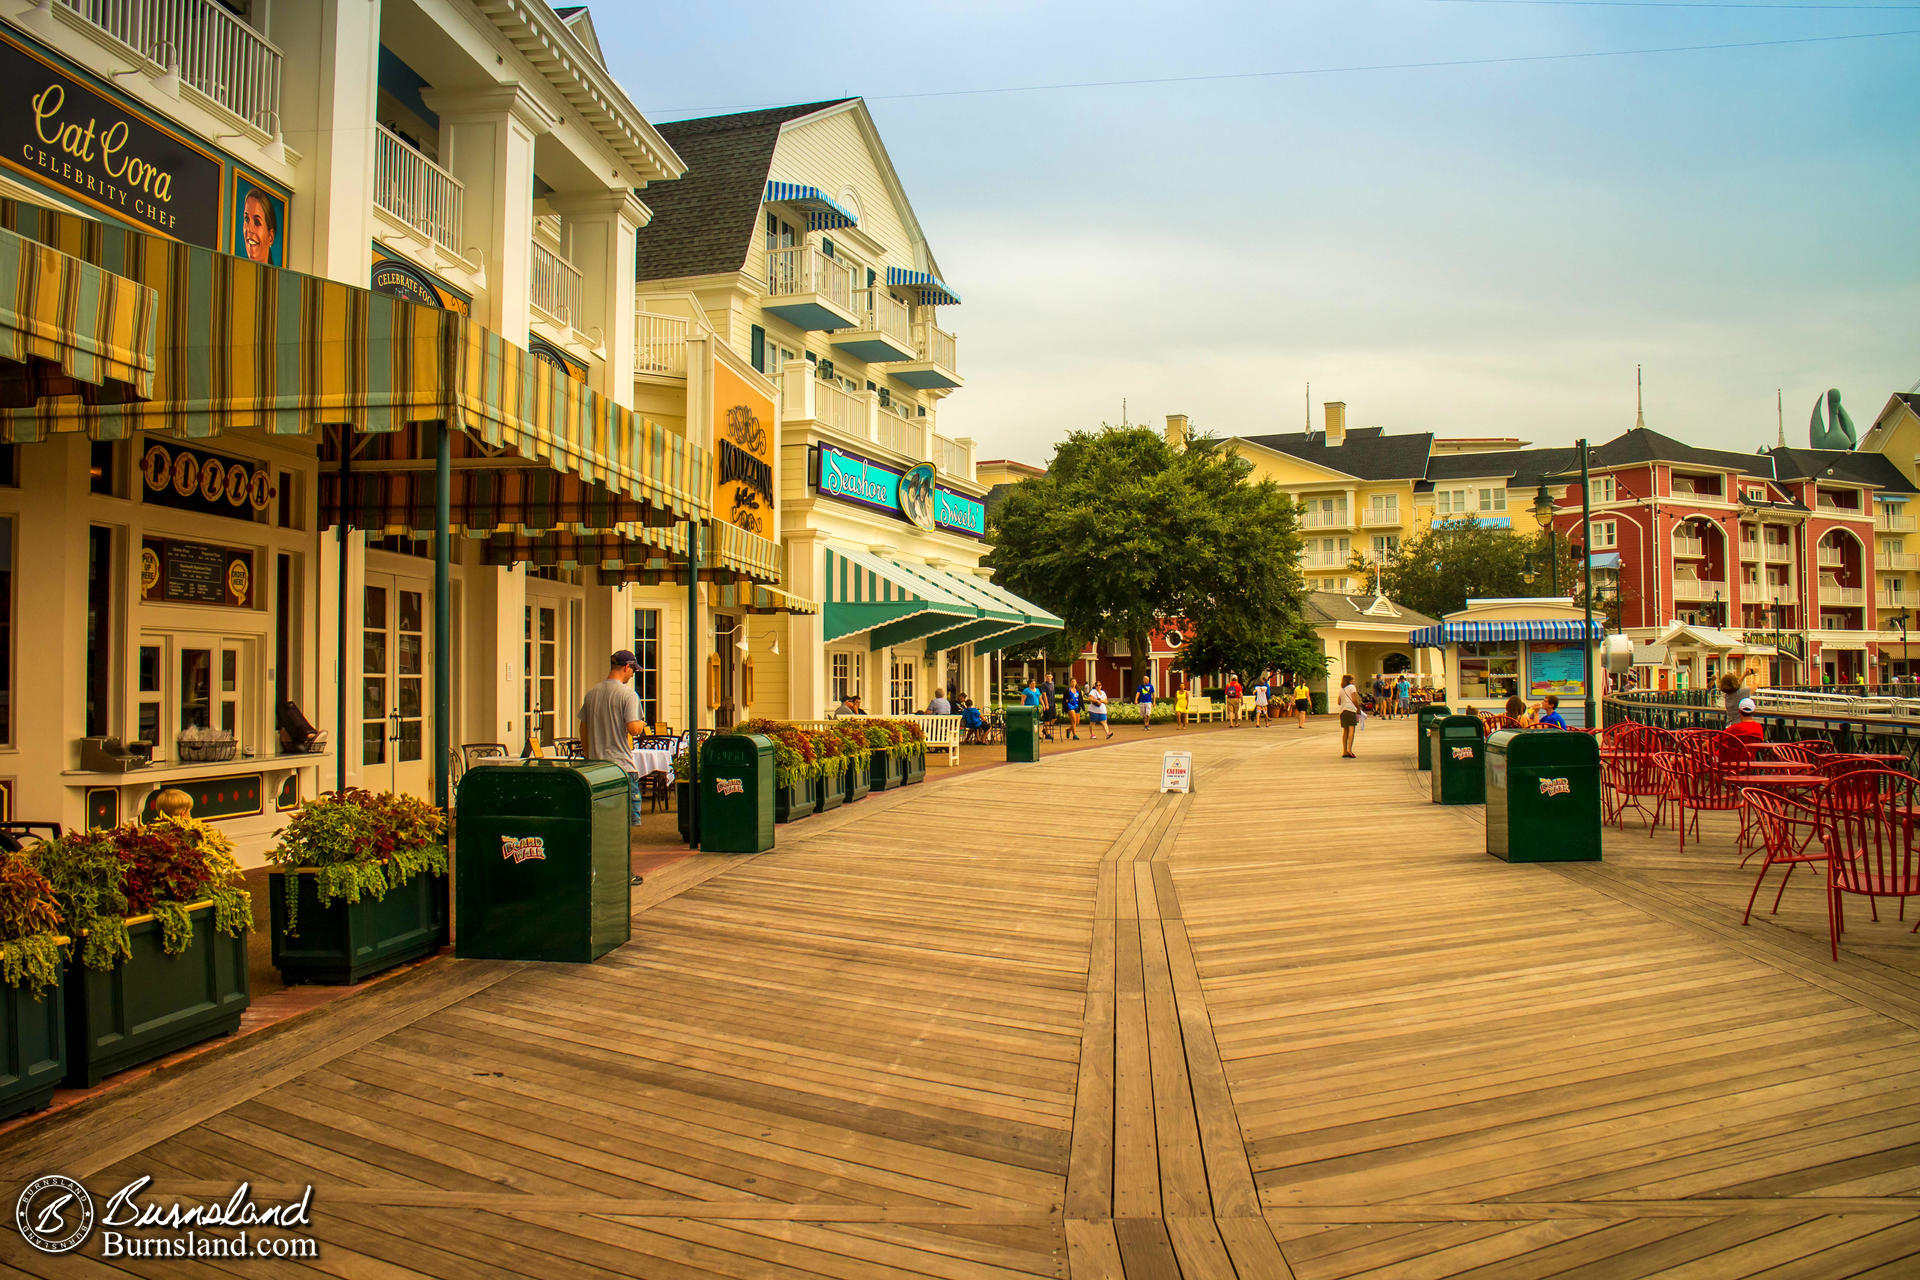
{"points": [[1041, 1021]]}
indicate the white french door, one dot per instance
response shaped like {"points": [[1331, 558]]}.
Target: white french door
{"points": [[394, 677]]}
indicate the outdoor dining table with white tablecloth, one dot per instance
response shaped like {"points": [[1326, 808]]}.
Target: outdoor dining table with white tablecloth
{"points": [[650, 760]]}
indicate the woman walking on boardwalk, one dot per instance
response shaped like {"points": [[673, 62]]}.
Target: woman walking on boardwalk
{"points": [[1072, 700], [1349, 716]]}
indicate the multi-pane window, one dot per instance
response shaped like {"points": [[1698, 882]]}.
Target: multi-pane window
{"points": [[1603, 490], [1606, 535], [846, 676], [541, 669], [6, 631], [1383, 508], [1493, 499], [902, 702], [646, 647], [1449, 502], [1384, 548]]}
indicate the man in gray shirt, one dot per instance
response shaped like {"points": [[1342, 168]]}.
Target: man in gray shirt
{"points": [[939, 706], [610, 720]]}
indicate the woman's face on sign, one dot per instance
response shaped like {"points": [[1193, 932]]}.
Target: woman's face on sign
{"points": [[256, 230]]}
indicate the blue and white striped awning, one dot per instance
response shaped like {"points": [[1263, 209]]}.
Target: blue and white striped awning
{"points": [[933, 291], [1446, 633], [823, 214]]}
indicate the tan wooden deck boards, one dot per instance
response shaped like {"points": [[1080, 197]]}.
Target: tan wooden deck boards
{"points": [[1041, 1021]]}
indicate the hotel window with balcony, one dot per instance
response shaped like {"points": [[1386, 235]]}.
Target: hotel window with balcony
{"points": [[1384, 548], [1383, 508]]}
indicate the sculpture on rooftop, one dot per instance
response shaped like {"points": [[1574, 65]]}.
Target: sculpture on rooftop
{"points": [[1834, 429]]}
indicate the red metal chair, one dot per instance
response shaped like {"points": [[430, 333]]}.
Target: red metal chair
{"points": [[1869, 818], [1795, 753], [1789, 830], [1700, 769], [1631, 774]]}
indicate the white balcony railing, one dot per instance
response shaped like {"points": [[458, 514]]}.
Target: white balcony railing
{"points": [[1899, 560], [1779, 593], [660, 345], [884, 314], [1886, 522], [416, 190], [220, 56], [1778, 552], [897, 433], [1685, 546], [1381, 517], [953, 457], [1886, 601], [1749, 550], [1834, 593], [555, 285], [937, 345], [839, 408], [1321, 518], [1832, 557], [804, 269], [1686, 588]]}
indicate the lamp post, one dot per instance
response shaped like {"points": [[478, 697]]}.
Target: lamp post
{"points": [[1543, 512], [1899, 619], [1586, 548]]}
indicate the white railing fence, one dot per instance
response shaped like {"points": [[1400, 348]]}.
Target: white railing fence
{"points": [[884, 313], [897, 434], [839, 408], [939, 346], [218, 54], [660, 345], [555, 287], [952, 457], [804, 269], [416, 190]]}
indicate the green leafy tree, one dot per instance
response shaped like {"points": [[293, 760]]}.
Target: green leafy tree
{"points": [[1124, 531], [1443, 566], [1295, 648]]}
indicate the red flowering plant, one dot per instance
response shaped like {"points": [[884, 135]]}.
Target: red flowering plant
{"points": [[830, 751], [357, 844], [30, 921], [161, 869], [793, 757], [855, 744]]}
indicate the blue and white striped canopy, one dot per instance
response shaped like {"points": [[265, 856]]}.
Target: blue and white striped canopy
{"points": [[933, 292], [1446, 633], [823, 213]]}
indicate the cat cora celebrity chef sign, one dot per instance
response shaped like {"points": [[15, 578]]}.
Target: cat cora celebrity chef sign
{"points": [[1176, 771]]}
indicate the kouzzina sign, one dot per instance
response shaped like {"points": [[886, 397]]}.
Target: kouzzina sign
{"points": [[58, 130]]}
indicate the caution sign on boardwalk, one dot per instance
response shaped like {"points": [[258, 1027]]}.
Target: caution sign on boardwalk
{"points": [[1176, 771]]}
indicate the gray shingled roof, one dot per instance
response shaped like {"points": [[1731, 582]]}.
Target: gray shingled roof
{"points": [[1644, 445], [1524, 468], [1368, 453], [704, 223], [1335, 606], [1843, 465]]}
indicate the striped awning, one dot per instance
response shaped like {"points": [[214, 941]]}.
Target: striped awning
{"points": [[1605, 559], [239, 344], [1038, 624], [868, 593], [823, 213], [1446, 633], [933, 292], [65, 321], [568, 550], [751, 597]]}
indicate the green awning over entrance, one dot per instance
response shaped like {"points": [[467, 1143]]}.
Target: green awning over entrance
{"points": [[896, 602]]}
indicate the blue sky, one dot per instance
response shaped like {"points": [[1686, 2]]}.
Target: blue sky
{"points": [[1481, 250]]}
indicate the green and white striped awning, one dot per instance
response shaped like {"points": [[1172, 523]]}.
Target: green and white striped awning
{"points": [[895, 602]]}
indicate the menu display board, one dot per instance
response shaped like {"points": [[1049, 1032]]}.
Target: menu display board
{"points": [[175, 571]]}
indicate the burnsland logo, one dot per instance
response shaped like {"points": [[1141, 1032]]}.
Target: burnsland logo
{"points": [[1554, 787], [518, 849], [79, 142]]}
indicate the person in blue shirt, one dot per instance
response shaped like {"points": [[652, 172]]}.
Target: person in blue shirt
{"points": [[1403, 696], [1548, 717], [1071, 701], [1030, 695], [1145, 698]]}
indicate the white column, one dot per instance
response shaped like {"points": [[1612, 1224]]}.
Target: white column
{"points": [[807, 692], [486, 140], [602, 226], [327, 110]]}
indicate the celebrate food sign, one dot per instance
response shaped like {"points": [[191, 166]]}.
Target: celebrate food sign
{"points": [[910, 495]]}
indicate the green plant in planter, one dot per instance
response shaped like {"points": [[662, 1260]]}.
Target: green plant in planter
{"points": [[830, 751], [359, 844], [100, 878], [30, 950]]}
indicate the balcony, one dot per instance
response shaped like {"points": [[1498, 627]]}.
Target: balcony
{"points": [[556, 287], [809, 290], [1779, 552], [1781, 593], [1690, 548], [1886, 522], [1832, 558], [1834, 593], [1381, 518], [936, 363], [218, 56], [954, 457], [884, 336], [660, 345], [1691, 588], [1749, 550], [407, 186], [1892, 603], [1321, 560], [898, 433], [1898, 561], [1320, 518]]}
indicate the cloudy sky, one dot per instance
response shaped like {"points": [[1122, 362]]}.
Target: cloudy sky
{"points": [[1466, 249]]}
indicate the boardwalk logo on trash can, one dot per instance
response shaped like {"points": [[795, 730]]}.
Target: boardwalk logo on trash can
{"points": [[1555, 787], [518, 849], [729, 787], [1463, 753]]}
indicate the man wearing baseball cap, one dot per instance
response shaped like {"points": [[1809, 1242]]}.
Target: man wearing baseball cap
{"points": [[609, 721], [1747, 726]]}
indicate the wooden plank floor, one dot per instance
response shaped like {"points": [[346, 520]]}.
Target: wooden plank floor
{"points": [[1041, 1021]]}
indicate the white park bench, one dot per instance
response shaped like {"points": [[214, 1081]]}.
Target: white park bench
{"points": [[943, 733]]}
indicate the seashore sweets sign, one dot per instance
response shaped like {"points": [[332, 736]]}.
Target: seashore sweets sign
{"points": [[61, 132], [743, 442], [907, 495]]}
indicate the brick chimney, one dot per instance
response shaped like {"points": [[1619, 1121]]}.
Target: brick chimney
{"points": [[1336, 422], [1177, 430]]}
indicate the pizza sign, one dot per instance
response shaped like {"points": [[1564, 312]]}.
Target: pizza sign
{"points": [[173, 475]]}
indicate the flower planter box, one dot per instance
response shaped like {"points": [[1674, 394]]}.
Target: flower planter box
{"points": [[913, 769], [346, 942], [33, 1053], [790, 804], [885, 771], [833, 791], [859, 782], [153, 1003]]}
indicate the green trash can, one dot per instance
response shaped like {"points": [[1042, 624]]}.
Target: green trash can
{"points": [[1458, 743], [1543, 796], [1023, 734], [541, 861], [736, 793], [1423, 723]]}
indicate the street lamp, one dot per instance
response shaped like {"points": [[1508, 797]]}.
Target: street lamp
{"points": [[1899, 619], [1543, 512]]}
